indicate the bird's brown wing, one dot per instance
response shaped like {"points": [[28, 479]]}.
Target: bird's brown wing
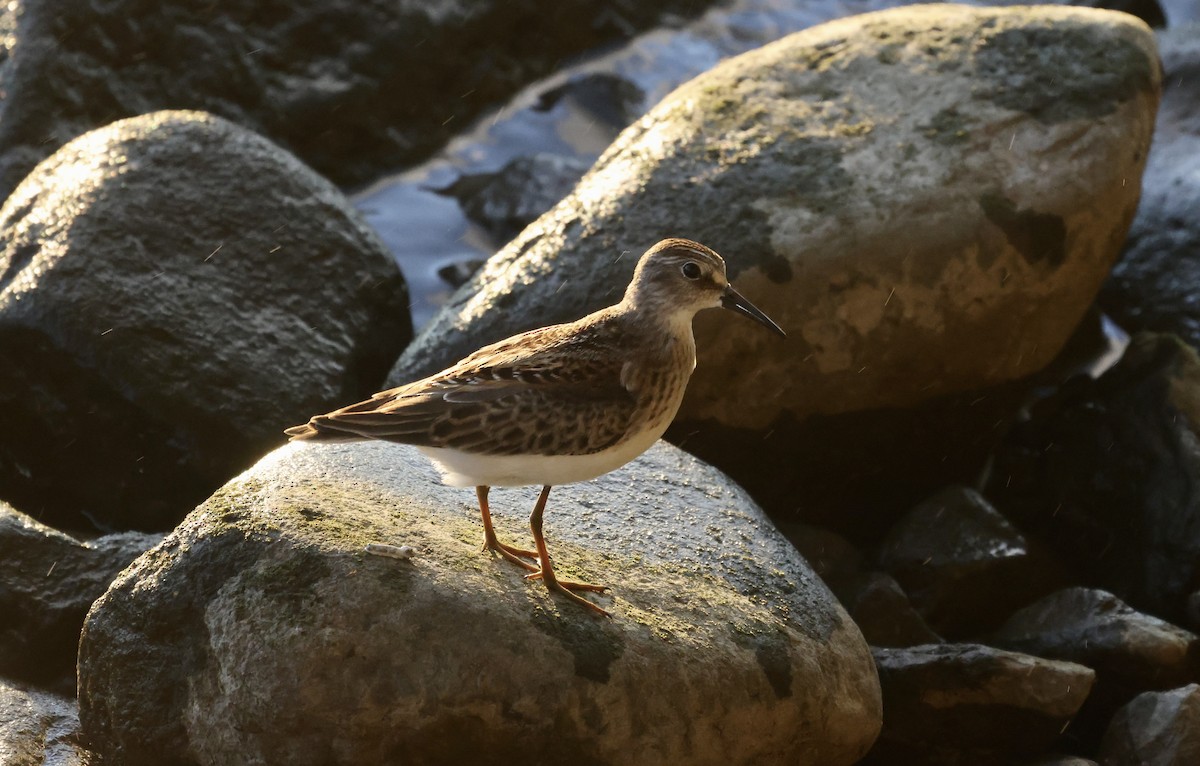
{"points": [[553, 391]]}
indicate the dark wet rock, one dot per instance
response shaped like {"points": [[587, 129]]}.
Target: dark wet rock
{"points": [[39, 729], [510, 199], [967, 703], [1155, 729], [874, 600], [778, 159], [353, 88], [260, 630], [456, 274], [881, 610], [1107, 472], [611, 100], [48, 580], [178, 290], [963, 565], [1060, 760], [1152, 286], [1130, 651]]}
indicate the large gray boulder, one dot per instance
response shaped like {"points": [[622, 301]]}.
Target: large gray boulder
{"points": [[927, 199], [354, 88], [259, 631], [177, 289]]}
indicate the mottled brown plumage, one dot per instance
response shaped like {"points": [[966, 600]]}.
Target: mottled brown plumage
{"points": [[558, 404]]}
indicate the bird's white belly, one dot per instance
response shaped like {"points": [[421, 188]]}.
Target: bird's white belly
{"points": [[465, 469]]}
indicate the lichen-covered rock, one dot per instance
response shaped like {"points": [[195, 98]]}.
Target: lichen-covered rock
{"points": [[259, 631], [177, 289], [926, 198], [354, 88], [48, 580]]}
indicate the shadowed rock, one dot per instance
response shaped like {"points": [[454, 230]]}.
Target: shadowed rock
{"points": [[48, 580]]}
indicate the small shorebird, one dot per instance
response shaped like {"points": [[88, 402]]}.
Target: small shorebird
{"points": [[559, 404]]}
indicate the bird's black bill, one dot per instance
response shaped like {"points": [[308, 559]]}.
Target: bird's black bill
{"points": [[734, 301]]}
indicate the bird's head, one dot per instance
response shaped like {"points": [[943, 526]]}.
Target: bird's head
{"points": [[679, 277]]}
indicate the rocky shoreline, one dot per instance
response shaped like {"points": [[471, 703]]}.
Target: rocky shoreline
{"points": [[921, 531]]}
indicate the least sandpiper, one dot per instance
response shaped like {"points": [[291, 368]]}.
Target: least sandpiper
{"points": [[559, 404]]}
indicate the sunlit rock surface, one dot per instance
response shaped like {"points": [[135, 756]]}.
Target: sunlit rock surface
{"points": [[926, 198], [259, 631], [177, 290]]}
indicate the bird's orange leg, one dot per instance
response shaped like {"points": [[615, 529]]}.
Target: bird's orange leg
{"points": [[546, 573], [490, 542]]}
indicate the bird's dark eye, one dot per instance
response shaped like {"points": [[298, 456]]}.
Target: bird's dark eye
{"points": [[691, 270]]}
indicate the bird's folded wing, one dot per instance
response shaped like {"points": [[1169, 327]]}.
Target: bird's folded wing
{"points": [[496, 416]]}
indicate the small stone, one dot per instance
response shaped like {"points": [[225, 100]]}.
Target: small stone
{"points": [[965, 697], [510, 199], [1126, 648], [881, 610], [1155, 729]]}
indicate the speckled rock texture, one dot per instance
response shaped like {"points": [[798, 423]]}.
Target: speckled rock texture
{"points": [[48, 581], [38, 729], [177, 290], [260, 632], [353, 88], [927, 199]]}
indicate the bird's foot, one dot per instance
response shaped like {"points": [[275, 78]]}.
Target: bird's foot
{"points": [[515, 555], [568, 588]]}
